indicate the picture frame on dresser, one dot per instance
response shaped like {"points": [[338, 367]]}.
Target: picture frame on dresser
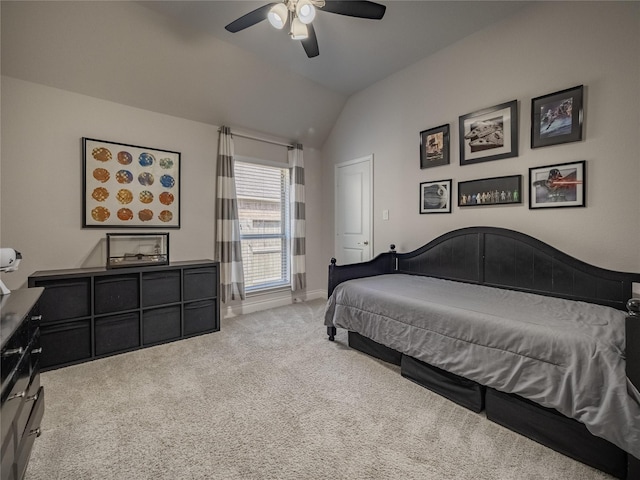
{"points": [[489, 134], [129, 186], [557, 186], [434, 147], [557, 118], [435, 196]]}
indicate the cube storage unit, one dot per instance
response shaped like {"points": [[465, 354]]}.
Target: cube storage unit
{"points": [[89, 313]]}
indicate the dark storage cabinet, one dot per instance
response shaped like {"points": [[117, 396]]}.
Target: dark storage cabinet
{"points": [[93, 312], [22, 395]]}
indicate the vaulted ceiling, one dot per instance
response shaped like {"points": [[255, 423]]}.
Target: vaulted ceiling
{"points": [[175, 57]]}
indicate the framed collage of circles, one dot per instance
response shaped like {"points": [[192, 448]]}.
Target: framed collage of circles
{"points": [[130, 186]]}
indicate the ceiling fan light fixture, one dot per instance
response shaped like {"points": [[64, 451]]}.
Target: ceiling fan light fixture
{"points": [[278, 15], [299, 30], [305, 11]]}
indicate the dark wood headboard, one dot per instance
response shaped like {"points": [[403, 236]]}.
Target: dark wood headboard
{"points": [[501, 258], [504, 258]]}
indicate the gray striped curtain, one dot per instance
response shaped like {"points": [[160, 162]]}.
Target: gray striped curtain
{"points": [[228, 249], [298, 248]]}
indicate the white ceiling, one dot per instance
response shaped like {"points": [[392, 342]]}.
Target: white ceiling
{"points": [[176, 58], [354, 52]]}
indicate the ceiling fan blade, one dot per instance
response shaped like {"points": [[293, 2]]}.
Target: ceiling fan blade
{"points": [[250, 19], [310, 44], [355, 8]]}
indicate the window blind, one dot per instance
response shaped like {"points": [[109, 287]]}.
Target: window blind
{"points": [[263, 211]]}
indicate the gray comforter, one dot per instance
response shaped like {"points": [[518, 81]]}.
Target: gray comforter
{"points": [[558, 353]]}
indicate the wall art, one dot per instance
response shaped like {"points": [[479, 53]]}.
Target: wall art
{"points": [[557, 118], [489, 134], [130, 186], [560, 185], [434, 147], [490, 191], [435, 197]]}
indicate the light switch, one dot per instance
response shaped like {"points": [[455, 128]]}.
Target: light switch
{"points": [[385, 214]]}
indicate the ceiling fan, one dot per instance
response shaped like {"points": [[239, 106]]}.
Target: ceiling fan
{"points": [[300, 13]]}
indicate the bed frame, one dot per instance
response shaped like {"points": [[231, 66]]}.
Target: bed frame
{"points": [[502, 258]]}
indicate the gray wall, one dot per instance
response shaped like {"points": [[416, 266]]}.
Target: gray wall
{"points": [[545, 48], [41, 177]]}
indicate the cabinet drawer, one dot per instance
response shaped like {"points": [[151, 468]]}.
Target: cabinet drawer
{"points": [[65, 343], [160, 288], [28, 402], [65, 300], [13, 352], [161, 324], [32, 431], [200, 317], [117, 333], [200, 283], [116, 293], [14, 395]]}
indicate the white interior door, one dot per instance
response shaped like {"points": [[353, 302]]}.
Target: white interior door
{"points": [[353, 210]]}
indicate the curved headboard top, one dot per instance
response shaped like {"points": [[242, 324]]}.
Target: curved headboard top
{"points": [[505, 258]]}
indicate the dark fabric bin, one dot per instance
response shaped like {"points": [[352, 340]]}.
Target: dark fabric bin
{"points": [[65, 343], [200, 317], [65, 300], [160, 288], [117, 333], [161, 324], [375, 349], [116, 293], [458, 389], [200, 283], [554, 430]]}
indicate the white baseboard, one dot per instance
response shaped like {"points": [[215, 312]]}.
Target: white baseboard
{"points": [[259, 302]]}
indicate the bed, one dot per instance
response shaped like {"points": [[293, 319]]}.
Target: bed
{"points": [[496, 320]]}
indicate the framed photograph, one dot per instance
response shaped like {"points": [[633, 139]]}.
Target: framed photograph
{"points": [[490, 191], [557, 118], [434, 147], [129, 186], [560, 185], [489, 134], [435, 197]]}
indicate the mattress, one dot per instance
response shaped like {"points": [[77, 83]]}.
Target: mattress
{"points": [[561, 354]]}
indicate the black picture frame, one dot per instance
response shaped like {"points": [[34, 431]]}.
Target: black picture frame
{"points": [[489, 134], [490, 191], [557, 118], [561, 185], [434, 146], [435, 196], [129, 186]]}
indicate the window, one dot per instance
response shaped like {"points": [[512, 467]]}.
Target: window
{"points": [[263, 210]]}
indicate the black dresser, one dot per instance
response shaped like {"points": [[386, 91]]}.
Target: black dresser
{"points": [[89, 313], [22, 395]]}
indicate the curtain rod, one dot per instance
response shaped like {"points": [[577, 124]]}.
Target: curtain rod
{"points": [[251, 137]]}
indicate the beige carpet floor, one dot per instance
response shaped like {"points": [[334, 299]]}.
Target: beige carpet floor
{"points": [[269, 397]]}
